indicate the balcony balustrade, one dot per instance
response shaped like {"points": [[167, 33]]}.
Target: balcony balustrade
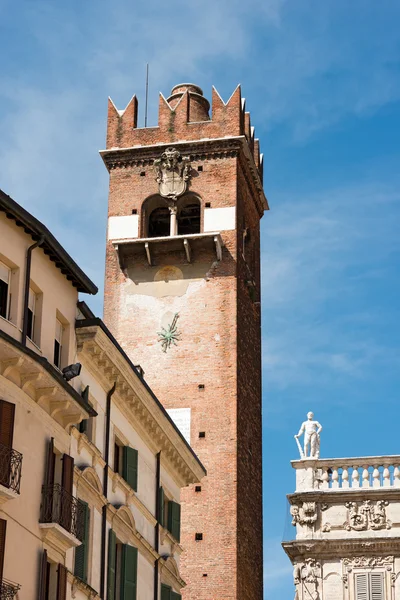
{"points": [[10, 473], [339, 474], [8, 589], [61, 512]]}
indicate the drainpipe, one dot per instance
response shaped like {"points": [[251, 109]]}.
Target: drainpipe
{"points": [[157, 528], [105, 492], [27, 282]]}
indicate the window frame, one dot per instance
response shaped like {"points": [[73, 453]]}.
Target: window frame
{"points": [[368, 574], [59, 330], [7, 282]]}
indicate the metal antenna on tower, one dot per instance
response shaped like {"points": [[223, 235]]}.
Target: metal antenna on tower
{"points": [[147, 94]]}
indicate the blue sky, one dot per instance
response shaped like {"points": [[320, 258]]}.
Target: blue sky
{"points": [[322, 82]]}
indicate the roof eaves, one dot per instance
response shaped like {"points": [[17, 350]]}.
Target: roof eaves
{"points": [[50, 246]]}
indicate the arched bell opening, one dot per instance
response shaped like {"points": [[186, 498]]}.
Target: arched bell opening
{"points": [[189, 215], [159, 222], [156, 217]]}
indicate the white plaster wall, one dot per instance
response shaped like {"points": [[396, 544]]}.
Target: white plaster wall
{"points": [[58, 293], [33, 429], [220, 219], [122, 228], [146, 459], [145, 579]]}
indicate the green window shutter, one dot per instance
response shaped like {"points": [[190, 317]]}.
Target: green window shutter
{"points": [[175, 596], [165, 592], [82, 427], [81, 552], [129, 562], [112, 550], [130, 467], [160, 515], [174, 519]]}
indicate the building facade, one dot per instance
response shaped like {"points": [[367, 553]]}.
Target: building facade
{"points": [[182, 296], [91, 465], [346, 521]]}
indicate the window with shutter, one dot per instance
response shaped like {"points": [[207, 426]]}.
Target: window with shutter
{"points": [[129, 562], [361, 580], [3, 527], [58, 344], [175, 596], [174, 519], [112, 551], [130, 467], [165, 592], [31, 314], [67, 473], [369, 586], [43, 576], [62, 583], [4, 290], [82, 551], [7, 414], [376, 586], [161, 500]]}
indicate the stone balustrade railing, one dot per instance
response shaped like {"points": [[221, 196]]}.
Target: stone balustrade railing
{"points": [[371, 472]]}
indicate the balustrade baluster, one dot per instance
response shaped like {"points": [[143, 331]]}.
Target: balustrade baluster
{"points": [[386, 477], [376, 478], [335, 478], [345, 478], [355, 478], [365, 477], [325, 479], [396, 477]]}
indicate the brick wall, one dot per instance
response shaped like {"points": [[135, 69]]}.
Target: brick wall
{"points": [[219, 345]]}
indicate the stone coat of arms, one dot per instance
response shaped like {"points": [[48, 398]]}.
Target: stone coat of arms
{"points": [[172, 173]]}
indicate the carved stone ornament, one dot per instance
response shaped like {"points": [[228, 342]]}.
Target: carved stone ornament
{"points": [[305, 578], [172, 173], [305, 514], [366, 516], [370, 562]]}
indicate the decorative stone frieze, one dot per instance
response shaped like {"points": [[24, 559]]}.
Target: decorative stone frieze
{"points": [[365, 515], [305, 514]]}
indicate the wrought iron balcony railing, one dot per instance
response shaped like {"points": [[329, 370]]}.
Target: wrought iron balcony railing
{"points": [[8, 589], [10, 468], [58, 506]]}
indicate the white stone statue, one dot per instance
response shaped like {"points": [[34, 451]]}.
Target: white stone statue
{"points": [[311, 430]]}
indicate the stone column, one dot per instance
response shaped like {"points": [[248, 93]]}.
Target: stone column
{"points": [[173, 222]]}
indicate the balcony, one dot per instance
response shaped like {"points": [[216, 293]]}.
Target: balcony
{"points": [[8, 589], [190, 246], [10, 473], [61, 518], [347, 474]]}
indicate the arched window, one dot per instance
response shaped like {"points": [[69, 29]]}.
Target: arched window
{"points": [[189, 213], [159, 222]]}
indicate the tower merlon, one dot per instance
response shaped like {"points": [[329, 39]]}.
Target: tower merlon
{"points": [[184, 115]]}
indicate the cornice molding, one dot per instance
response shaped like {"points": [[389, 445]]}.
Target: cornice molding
{"points": [[344, 548], [217, 148]]}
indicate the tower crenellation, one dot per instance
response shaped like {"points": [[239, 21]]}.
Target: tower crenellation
{"points": [[184, 115]]}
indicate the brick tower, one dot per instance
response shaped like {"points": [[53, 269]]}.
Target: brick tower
{"points": [[182, 297]]}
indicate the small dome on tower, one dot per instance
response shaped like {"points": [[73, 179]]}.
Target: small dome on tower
{"points": [[198, 104]]}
